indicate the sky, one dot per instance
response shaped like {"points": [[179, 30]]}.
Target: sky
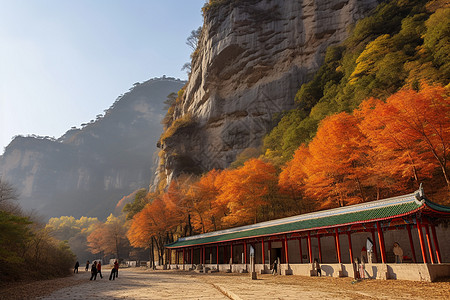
{"points": [[64, 62]]}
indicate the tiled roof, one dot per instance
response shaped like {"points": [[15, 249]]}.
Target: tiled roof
{"points": [[360, 213]]}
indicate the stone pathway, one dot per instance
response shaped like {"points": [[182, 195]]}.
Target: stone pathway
{"points": [[139, 283], [135, 284]]}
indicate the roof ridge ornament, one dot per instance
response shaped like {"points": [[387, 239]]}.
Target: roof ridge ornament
{"points": [[420, 194]]}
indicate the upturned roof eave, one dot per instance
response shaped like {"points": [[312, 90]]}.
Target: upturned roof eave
{"points": [[185, 243]]}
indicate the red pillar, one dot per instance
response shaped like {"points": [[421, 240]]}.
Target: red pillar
{"points": [[411, 243], [430, 248], [436, 244], [245, 252], [184, 256], [375, 252], [338, 245], [422, 242], [263, 252], [350, 249], [231, 253], [300, 249], [192, 255], [381, 241], [269, 248], [286, 249], [320, 248], [310, 248]]}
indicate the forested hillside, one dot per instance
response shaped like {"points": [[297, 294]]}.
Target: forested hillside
{"points": [[403, 44]]}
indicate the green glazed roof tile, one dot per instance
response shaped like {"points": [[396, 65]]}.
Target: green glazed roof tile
{"points": [[361, 213]]}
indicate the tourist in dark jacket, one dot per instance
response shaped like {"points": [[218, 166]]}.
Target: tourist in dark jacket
{"points": [[75, 269], [94, 271]]}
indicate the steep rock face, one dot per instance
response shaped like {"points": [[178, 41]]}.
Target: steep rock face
{"points": [[252, 58], [86, 171]]}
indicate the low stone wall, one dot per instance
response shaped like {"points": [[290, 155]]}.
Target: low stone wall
{"points": [[438, 271], [414, 272]]}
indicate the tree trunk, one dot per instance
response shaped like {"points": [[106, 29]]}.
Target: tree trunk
{"points": [[415, 173], [117, 247], [361, 189], [152, 255]]}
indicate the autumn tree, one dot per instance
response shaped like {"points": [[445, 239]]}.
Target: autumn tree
{"points": [[246, 191], [65, 227], [109, 237], [75, 231], [382, 173], [412, 129], [149, 228], [207, 212], [178, 202], [337, 166], [293, 177]]}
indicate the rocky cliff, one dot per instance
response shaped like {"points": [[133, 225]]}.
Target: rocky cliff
{"points": [[88, 170], [251, 59]]}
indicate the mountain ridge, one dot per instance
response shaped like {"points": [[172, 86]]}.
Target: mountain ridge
{"points": [[89, 169]]}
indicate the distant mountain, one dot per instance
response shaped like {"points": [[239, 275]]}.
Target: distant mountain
{"points": [[87, 171]]}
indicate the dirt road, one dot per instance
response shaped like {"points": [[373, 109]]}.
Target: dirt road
{"points": [[138, 283]]}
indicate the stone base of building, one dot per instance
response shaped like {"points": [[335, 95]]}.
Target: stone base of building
{"points": [[406, 271]]}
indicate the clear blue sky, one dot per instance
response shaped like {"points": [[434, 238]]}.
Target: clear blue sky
{"points": [[63, 62]]}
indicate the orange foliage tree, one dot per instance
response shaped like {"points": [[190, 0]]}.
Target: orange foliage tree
{"points": [[337, 168], [150, 227], [177, 205], [412, 132], [207, 212], [246, 191], [293, 176], [109, 237]]}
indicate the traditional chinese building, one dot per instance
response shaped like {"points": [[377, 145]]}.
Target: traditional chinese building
{"points": [[336, 237]]}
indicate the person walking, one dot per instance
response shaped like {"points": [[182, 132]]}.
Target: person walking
{"points": [[75, 269], [114, 271], [94, 271], [87, 266], [116, 266], [99, 269], [275, 267]]}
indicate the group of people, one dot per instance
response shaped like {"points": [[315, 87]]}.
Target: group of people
{"points": [[96, 268]]}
